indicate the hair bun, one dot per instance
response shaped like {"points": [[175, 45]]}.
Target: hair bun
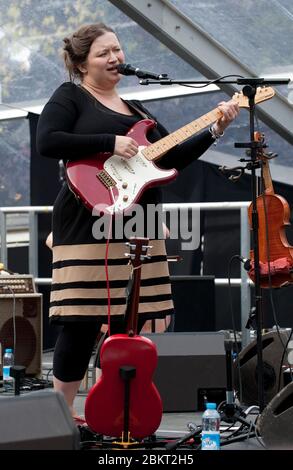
{"points": [[67, 43]]}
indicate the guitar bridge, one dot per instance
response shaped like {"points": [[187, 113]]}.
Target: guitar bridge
{"points": [[106, 179]]}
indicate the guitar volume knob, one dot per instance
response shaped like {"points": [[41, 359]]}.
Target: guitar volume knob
{"points": [[125, 198], [124, 185]]}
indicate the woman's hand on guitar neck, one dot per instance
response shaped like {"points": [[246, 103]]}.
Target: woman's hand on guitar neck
{"points": [[125, 146], [230, 111]]}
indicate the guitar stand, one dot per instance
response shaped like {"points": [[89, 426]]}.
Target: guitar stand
{"points": [[91, 440], [17, 372], [126, 373]]}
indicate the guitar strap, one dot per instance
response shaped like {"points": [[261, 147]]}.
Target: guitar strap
{"points": [[138, 110]]}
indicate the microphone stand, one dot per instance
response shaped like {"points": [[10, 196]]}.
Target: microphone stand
{"points": [[230, 411], [165, 80], [249, 89]]}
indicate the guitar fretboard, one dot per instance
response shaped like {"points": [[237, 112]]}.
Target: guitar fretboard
{"points": [[158, 149]]}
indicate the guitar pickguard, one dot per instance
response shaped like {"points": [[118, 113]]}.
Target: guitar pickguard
{"points": [[132, 175]]}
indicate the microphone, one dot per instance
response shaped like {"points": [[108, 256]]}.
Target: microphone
{"points": [[127, 69]]}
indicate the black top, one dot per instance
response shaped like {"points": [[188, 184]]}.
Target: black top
{"points": [[75, 125]]}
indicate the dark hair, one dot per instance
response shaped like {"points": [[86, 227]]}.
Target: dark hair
{"points": [[77, 46]]}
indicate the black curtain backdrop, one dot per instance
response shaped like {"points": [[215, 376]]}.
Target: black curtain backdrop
{"points": [[45, 185], [200, 182]]}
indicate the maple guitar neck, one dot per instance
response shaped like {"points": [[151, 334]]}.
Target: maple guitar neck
{"points": [[138, 247], [155, 151], [132, 311], [158, 149]]}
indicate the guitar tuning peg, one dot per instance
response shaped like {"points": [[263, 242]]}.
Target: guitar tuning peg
{"points": [[272, 154], [129, 255], [143, 257], [146, 247], [130, 245]]}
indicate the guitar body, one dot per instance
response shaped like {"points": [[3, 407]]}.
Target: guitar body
{"points": [[104, 406], [130, 176]]}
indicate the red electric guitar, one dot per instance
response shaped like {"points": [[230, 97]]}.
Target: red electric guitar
{"points": [[124, 402], [115, 183]]}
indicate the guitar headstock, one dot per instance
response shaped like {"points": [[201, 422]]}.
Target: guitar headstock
{"points": [[138, 248], [262, 94]]}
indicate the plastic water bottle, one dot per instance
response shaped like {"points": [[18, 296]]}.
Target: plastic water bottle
{"points": [[8, 360], [210, 436]]}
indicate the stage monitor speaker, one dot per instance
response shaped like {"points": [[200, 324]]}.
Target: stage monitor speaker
{"points": [[27, 309], [272, 354], [37, 421], [275, 425], [194, 302], [188, 365]]}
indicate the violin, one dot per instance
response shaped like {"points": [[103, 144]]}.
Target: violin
{"points": [[275, 253], [124, 403]]}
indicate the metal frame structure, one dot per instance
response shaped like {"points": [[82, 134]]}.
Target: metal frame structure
{"points": [[242, 282], [20, 110], [195, 46], [165, 22]]}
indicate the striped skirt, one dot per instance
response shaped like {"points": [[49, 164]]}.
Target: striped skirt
{"points": [[79, 287]]}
